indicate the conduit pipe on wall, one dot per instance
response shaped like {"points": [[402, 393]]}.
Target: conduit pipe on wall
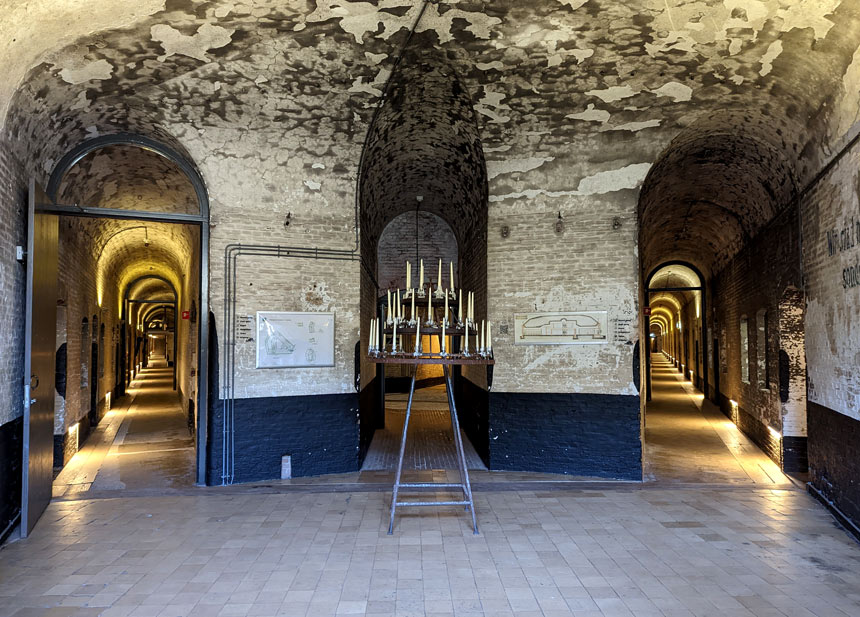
{"points": [[233, 251]]}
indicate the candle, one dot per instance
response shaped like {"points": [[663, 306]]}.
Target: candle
{"points": [[412, 312], [451, 269], [381, 334], [370, 344], [460, 309], [443, 336], [467, 339], [394, 338], [388, 314], [408, 275], [399, 306], [421, 275], [482, 336], [418, 336], [445, 318], [429, 305], [439, 278], [489, 336]]}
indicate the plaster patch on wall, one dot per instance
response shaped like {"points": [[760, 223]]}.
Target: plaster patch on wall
{"points": [[497, 168], [633, 126], [375, 58], [318, 166], [490, 104], [314, 186], [574, 4], [195, 46], [628, 177], [487, 66], [773, 50], [612, 94], [98, 70], [675, 90], [591, 115]]}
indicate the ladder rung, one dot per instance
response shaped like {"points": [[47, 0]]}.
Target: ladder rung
{"points": [[432, 503]]}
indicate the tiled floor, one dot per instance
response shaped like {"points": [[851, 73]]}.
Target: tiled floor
{"points": [[647, 552], [143, 443], [714, 533], [688, 439], [430, 441]]}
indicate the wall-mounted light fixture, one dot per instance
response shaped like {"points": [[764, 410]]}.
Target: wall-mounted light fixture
{"points": [[288, 219], [506, 231], [774, 433], [559, 224], [616, 223]]}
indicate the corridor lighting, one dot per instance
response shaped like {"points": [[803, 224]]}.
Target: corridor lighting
{"points": [[734, 406], [107, 400], [774, 433], [73, 430]]}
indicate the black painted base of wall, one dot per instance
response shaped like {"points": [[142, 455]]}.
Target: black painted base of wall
{"points": [[64, 446], [834, 458], [755, 429], [794, 454], [11, 451], [576, 434], [368, 417], [320, 433], [473, 411], [847, 524]]}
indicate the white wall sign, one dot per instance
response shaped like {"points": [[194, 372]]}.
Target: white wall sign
{"points": [[289, 340], [569, 328]]}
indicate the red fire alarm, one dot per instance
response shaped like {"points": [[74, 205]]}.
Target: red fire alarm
{"points": [[646, 311], [186, 314]]}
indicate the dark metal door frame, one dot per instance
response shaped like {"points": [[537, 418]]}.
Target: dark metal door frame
{"points": [[201, 218], [704, 325]]}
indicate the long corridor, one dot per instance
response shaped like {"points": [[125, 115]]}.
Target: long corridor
{"points": [[688, 439], [144, 443]]}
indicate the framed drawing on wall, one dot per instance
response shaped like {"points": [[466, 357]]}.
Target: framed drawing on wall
{"points": [[293, 340]]}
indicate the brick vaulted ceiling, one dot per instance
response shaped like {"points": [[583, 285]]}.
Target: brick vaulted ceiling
{"points": [[730, 104]]}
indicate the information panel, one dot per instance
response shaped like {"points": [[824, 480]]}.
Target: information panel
{"points": [[291, 340], [573, 328]]}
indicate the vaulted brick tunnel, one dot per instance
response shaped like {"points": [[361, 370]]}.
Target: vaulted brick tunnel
{"points": [[112, 272], [422, 155]]}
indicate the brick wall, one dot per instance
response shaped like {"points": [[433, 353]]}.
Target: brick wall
{"points": [[13, 208], [751, 284]]}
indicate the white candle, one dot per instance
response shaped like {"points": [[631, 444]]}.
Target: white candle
{"points": [[429, 304], [370, 337], [460, 309], [408, 275], [467, 338], [482, 335], [399, 306], [443, 336], [421, 275], [439, 278], [489, 336], [394, 338], [388, 315], [445, 318], [418, 335], [412, 312], [451, 269]]}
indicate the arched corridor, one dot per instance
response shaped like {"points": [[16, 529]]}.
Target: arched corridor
{"points": [[688, 440], [143, 444]]}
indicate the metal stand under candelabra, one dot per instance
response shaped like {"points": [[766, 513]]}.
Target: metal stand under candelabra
{"points": [[446, 360]]}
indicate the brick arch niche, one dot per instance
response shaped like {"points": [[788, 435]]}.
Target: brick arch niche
{"points": [[422, 152]]}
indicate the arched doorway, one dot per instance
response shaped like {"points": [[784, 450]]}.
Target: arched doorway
{"points": [[423, 158], [126, 206]]}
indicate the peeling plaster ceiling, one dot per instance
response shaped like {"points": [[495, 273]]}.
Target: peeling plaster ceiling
{"points": [[585, 95]]}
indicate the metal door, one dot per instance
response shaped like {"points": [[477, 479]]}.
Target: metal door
{"points": [[40, 336]]}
